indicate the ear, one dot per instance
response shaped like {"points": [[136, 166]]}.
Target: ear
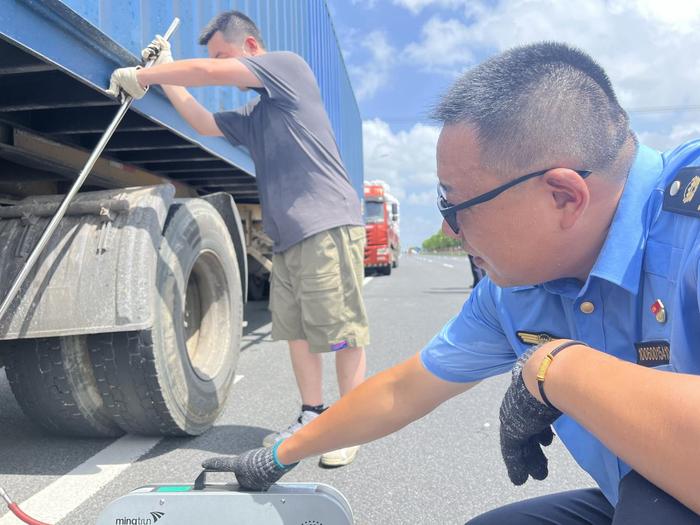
{"points": [[251, 44], [569, 193]]}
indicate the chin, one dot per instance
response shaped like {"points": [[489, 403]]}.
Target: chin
{"points": [[499, 281], [507, 282]]}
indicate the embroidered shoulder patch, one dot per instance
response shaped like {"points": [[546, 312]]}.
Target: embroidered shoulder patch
{"points": [[535, 338], [682, 195]]}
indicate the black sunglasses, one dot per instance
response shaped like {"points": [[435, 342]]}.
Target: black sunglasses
{"points": [[449, 211]]}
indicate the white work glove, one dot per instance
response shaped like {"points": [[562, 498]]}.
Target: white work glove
{"points": [[124, 80], [159, 48]]}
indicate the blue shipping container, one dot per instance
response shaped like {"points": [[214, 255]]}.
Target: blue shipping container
{"points": [[65, 33]]}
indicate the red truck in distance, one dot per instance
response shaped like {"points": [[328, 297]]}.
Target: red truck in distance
{"points": [[382, 226]]}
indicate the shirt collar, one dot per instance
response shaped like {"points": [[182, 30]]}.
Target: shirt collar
{"points": [[620, 259]]}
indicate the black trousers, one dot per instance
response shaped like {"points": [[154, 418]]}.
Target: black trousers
{"points": [[640, 503]]}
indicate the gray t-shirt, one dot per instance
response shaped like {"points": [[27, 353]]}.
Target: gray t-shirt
{"points": [[304, 188]]}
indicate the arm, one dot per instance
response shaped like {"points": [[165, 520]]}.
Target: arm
{"points": [[381, 405], [200, 72], [649, 418], [197, 72], [124, 81], [134, 81], [173, 76], [196, 115], [467, 349]]}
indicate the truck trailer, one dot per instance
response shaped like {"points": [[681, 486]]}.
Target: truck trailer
{"points": [[132, 318]]}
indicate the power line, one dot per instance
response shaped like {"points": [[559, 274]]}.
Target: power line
{"points": [[664, 109]]}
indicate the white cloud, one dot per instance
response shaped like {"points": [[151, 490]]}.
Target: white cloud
{"points": [[680, 16], [371, 76], [677, 134], [647, 47], [416, 6], [445, 46], [405, 160], [423, 198]]}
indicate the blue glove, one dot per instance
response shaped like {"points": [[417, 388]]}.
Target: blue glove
{"points": [[525, 428]]}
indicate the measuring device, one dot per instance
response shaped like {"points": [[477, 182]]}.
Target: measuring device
{"points": [[227, 504]]}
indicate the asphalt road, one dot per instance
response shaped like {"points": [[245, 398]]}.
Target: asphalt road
{"points": [[442, 469]]}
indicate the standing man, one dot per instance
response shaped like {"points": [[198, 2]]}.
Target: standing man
{"points": [[310, 209], [591, 245]]}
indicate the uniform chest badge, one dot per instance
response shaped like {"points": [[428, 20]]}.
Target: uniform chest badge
{"points": [[659, 311], [535, 338]]}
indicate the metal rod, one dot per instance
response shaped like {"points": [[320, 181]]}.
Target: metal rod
{"points": [[53, 224]]}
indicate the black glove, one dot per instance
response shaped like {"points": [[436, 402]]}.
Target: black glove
{"points": [[525, 428], [256, 469]]}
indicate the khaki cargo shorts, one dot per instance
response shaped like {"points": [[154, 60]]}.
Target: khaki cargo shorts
{"points": [[316, 291]]}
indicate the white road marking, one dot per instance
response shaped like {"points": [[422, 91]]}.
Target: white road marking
{"points": [[447, 265], [367, 279], [57, 500], [67, 493]]}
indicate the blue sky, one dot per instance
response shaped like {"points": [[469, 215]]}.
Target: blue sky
{"points": [[402, 54]]}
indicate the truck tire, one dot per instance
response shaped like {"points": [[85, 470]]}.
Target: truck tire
{"points": [[53, 383], [174, 378]]}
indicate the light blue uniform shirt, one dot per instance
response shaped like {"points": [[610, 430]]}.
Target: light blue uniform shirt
{"points": [[649, 254]]}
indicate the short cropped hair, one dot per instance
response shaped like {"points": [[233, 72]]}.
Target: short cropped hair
{"points": [[234, 26], [538, 103]]}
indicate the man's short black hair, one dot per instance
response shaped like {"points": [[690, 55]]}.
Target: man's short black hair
{"points": [[234, 25], [536, 104]]}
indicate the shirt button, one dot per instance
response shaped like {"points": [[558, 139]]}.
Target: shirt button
{"points": [[587, 307], [675, 187]]}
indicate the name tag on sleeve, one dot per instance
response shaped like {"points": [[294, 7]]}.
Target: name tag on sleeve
{"points": [[653, 353]]}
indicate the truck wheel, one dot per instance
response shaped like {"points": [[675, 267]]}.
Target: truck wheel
{"points": [[53, 383], [174, 378]]}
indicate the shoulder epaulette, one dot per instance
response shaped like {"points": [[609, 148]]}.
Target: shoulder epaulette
{"points": [[682, 195]]}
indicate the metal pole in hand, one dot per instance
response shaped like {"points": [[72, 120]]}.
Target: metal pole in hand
{"points": [[53, 224]]}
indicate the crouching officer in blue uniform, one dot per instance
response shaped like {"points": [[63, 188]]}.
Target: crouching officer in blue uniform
{"points": [[591, 245]]}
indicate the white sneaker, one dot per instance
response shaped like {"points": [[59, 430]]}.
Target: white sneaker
{"points": [[306, 417], [340, 457]]}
